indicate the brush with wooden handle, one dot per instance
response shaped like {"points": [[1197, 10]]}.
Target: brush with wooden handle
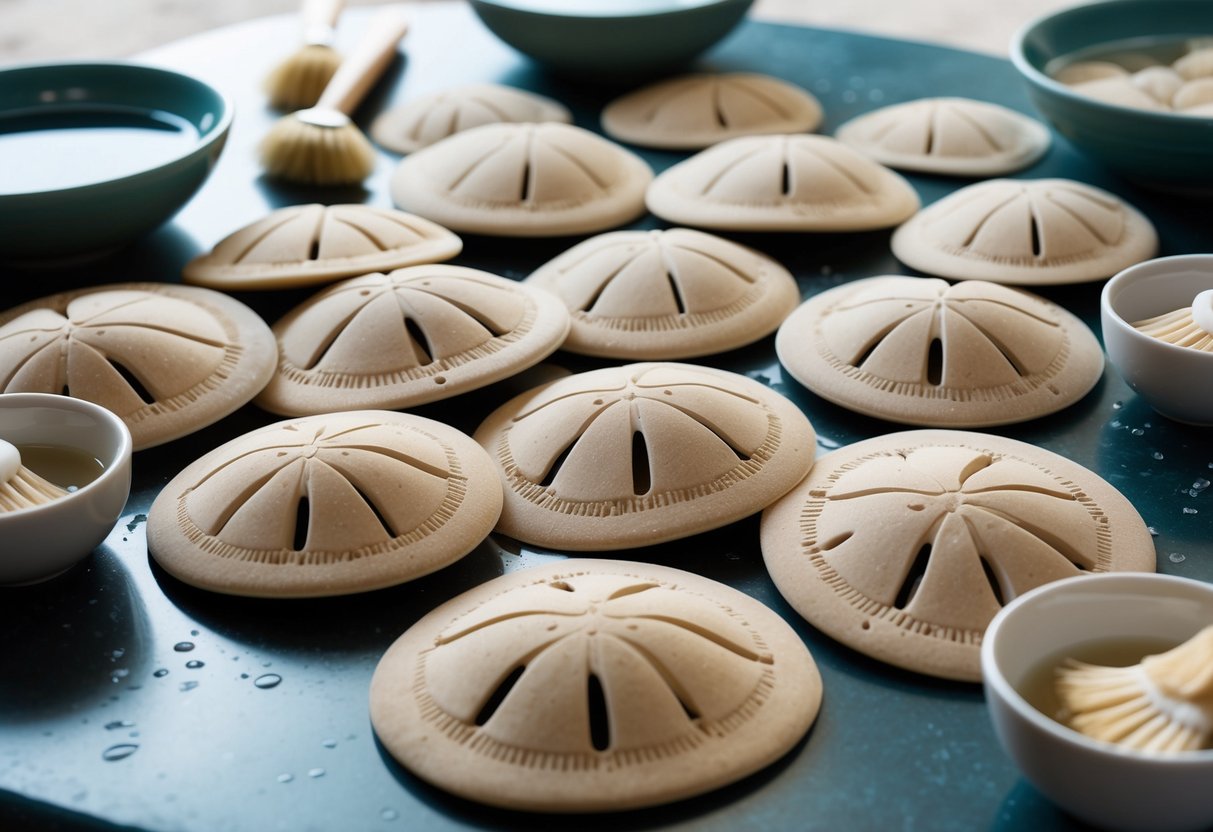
{"points": [[19, 486], [1190, 327], [299, 80], [320, 145], [1164, 704]]}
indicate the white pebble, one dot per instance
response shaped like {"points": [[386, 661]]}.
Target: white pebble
{"points": [[1194, 94], [1084, 71], [1160, 82], [1197, 64]]}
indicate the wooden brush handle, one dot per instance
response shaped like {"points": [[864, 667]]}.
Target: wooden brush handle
{"points": [[320, 21], [363, 66], [1185, 672]]}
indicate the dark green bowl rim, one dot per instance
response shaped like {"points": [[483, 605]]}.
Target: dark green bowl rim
{"points": [[206, 138], [1038, 78], [670, 8]]}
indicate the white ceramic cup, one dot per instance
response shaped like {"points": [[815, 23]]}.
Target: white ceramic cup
{"points": [[1112, 787], [42, 541], [1176, 381]]}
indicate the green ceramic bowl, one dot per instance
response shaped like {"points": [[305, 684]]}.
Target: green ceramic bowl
{"points": [[608, 39], [93, 155], [1161, 150]]}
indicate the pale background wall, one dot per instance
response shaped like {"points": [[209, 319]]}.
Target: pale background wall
{"points": [[52, 29]]}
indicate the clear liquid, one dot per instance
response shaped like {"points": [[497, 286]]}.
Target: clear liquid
{"points": [[68, 468], [1133, 53], [67, 147], [1038, 683]]}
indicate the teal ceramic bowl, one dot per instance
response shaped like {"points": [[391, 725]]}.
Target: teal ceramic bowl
{"points": [[609, 39], [1161, 150], [94, 155]]}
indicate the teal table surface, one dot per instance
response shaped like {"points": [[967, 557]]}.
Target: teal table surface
{"points": [[272, 731]]}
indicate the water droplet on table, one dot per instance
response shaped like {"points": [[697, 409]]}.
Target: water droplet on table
{"points": [[119, 752], [161, 673], [194, 664], [1176, 557], [183, 646], [1153, 531], [267, 681], [1158, 455], [329, 743], [285, 778], [119, 723], [1137, 432], [1190, 510], [315, 772], [184, 686]]}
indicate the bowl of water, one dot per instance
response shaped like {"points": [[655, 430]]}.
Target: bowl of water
{"points": [[1161, 147], [605, 40], [94, 155]]}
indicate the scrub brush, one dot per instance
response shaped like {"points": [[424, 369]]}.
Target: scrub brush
{"points": [[320, 145], [20, 487], [1189, 327], [1164, 704], [298, 81]]}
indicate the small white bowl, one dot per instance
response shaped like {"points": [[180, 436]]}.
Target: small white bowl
{"points": [[41, 542], [1112, 787], [1176, 381]]}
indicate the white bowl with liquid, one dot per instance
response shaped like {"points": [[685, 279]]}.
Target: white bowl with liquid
{"points": [[1104, 784], [42, 541]]}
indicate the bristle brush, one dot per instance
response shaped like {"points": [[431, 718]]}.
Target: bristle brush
{"points": [[1190, 327], [1163, 705], [320, 145], [299, 80], [19, 486]]}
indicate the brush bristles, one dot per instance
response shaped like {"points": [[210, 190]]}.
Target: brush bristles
{"points": [[1177, 328], [314, 155], [26, 490], [298, 81], [1114, 704]]}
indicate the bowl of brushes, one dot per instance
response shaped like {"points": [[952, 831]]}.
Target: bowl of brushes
{"points": [[65, 474], [1100, 688], [1157, 321]]}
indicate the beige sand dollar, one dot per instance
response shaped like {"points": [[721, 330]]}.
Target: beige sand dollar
{"points": [[1026, 231], [691, 112], [423, 121], [905, 546], [640, 454], [167, 359], [523, 180], [307, 244], [667, 294], [953, 136], [410, 337], [919, 351], [782, 183], [326, 505], [594, 685]]}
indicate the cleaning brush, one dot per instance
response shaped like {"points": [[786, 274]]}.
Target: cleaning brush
{"points": [[320, 145], [298, 81], [19, 486], [1164, 704], [1189, 327]]}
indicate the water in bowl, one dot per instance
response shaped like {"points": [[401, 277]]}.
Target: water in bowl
{"points": [[55, 147], [68, 468], [1132, 54]]}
